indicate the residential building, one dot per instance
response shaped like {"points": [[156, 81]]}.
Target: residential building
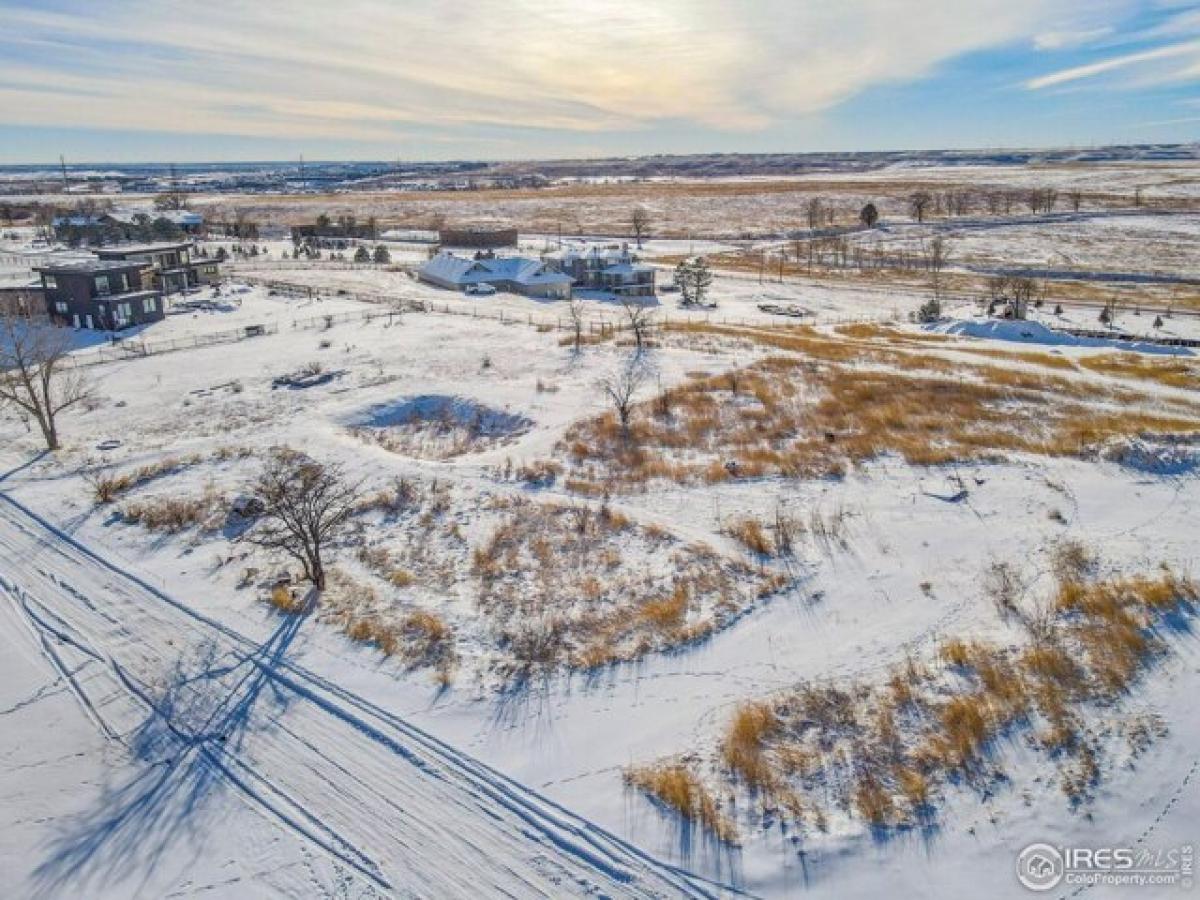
{"points": [[171, 264], [609, 269], [107, 295], [22, 299], [517, 274], [187, 221]]}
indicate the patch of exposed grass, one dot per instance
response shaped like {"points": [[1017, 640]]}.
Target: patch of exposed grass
{"points": [[833, 402], [887, 750], [677, 788]]}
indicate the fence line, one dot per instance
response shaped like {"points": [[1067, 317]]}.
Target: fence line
{"points": [[120, 351]]}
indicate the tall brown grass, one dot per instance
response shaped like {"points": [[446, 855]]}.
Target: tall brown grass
{"points": [[679, 789]]}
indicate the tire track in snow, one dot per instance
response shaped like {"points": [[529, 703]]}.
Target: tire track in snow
{"points": [[549, 845]]}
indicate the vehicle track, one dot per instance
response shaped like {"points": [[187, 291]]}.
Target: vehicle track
{"points": [[377, 796]]}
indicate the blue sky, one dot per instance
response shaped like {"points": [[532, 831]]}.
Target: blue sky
{"points": [[137, 80]]}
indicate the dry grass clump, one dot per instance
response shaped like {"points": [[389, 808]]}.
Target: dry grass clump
{"points": [[287, 599], [106, 486], [576, 567], [419, 638], [743, 746], [1071, 560], [172, 515], [1169, 371], [750, 533], [832, 401], [676, 787], [886, 750]]}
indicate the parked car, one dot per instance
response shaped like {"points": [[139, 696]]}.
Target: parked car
{"points": [[480, 290]]}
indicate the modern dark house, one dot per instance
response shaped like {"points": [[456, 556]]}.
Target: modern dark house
{"points": [[171, 266], [106, 295]]}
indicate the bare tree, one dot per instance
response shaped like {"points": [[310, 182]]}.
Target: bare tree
{"points": [[639, 220], [869, 215], [33, 375], [621, 388], [937, 255], [641, 320], [305, 505], [918, 204], [1075, 198], [575, 315], [815, 213]]}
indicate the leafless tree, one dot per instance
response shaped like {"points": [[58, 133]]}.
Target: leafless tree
{"points": [[815, 213], [305, 506], [621, 388], [576, 318], [918, 204], [641, 320], [958, 203], [639, 220], [1024, 290], [33, 373], [1075, 197], [937, 255], [869, 215]]}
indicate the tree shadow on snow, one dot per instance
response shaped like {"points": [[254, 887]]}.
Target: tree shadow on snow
{"points": [[200, 716]]}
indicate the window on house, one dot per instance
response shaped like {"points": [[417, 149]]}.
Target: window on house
{"points": [[102, 286], [124, 280], [51, 281], [60, 307], [150, 304], [124, 312]]}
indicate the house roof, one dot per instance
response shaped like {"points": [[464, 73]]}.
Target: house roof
{"points": [[178, 216], [517, 269], [592, 252], [88, 266], [121, 250], [627, 269]]}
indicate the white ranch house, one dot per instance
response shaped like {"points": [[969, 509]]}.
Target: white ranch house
{"points": [[517, 274]]}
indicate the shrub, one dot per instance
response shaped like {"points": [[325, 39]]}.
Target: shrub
{"points": [[676, 787], [743, 746], [750, 533]]}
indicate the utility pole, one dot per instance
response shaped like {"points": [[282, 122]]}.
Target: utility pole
{"points": [[62, 161], [303, 179]]}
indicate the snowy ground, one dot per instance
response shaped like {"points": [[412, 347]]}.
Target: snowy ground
{"points": [[173, 735]]}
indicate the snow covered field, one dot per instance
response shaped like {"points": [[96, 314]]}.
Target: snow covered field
{"points": [[600, 604]]}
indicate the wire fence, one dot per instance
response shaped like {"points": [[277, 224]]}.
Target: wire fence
{"points": [[389, 306]]}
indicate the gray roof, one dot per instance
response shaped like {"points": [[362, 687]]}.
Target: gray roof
{"points": [[465, 271], [89, 266], [130, 249], [178, 216]]}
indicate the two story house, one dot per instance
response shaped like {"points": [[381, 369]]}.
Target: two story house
{"points": [[171, 265], [609, 269], [106, 295]]}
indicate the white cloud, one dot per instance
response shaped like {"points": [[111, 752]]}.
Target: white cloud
{"points": [[1187, 51], [1061, 40], [371, 69]]}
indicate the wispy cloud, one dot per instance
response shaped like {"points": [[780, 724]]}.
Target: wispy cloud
{"points": [[369, 69], [1188, 51], [1164, 50]]}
